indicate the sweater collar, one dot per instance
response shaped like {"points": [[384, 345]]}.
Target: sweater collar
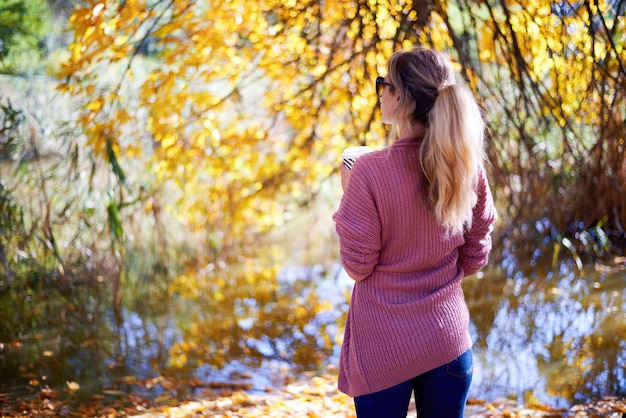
{"points": [[409, 141]]}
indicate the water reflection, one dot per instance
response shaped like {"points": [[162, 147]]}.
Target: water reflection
{"points": [[554, 336], [555, 339], [51, 333]]}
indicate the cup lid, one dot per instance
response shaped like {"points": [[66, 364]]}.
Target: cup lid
{"points": [[355, 152]]}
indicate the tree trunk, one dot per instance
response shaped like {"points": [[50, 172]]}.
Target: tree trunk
{"points": [[5, 263]]}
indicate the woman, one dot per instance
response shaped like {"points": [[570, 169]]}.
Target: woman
{"points": [[415, 219]]}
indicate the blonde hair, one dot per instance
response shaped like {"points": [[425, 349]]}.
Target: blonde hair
{"points": [[452, 151]]}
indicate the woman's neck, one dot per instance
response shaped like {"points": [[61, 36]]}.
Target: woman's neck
{"points": [[415, 129]]}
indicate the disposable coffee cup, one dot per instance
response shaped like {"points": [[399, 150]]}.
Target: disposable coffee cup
{"points": [[350, 155]]}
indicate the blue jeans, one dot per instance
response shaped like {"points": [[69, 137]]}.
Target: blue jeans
{"points": [[439, 393]]}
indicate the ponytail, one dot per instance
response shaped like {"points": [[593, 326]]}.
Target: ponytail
{"points": [[452, 155], [452, 149]]}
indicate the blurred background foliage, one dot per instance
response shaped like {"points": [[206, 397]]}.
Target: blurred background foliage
{"points": [[180, 148], [226, 117], [241, 109], [25, 28]]}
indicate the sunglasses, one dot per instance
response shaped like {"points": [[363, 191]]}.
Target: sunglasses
{"points": [[380, 85]]}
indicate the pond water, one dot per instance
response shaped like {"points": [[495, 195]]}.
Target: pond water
{"points": [[549, 335]]}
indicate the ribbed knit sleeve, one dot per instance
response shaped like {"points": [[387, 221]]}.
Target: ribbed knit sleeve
{"points": [[358, 226], [474, 254]]}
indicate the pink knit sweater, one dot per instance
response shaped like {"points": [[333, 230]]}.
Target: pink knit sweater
{"points": [[407, 313]]}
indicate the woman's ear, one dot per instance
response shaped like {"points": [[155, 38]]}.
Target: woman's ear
{"points": [[397, 99]]}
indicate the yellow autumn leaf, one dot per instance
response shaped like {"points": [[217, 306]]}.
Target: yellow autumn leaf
{"points": [[95, 105], [72, 386]]}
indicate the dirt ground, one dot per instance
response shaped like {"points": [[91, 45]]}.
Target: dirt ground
{"points": [[316, 398], [320, 398]]}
